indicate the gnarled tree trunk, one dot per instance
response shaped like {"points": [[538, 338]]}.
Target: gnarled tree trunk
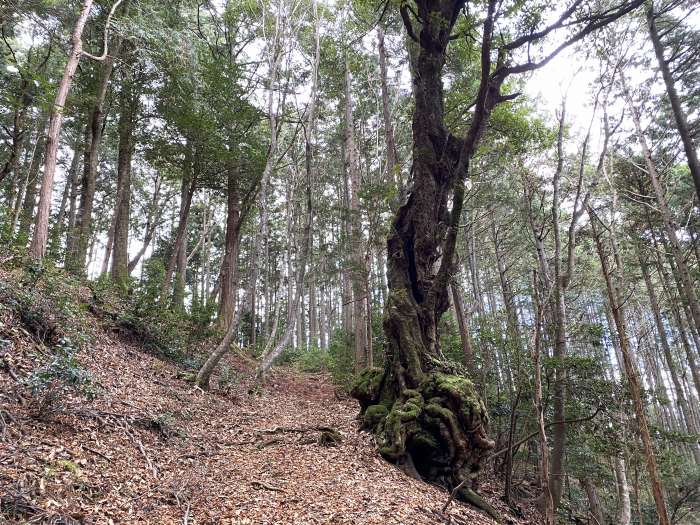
{"points": [[427, 414]]}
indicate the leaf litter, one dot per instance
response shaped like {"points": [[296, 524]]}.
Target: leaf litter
{"points": [[151, 448]]}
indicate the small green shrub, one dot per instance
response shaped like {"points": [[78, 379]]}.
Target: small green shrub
{"points": [[62, 375], [313, 360], [342, 359]]}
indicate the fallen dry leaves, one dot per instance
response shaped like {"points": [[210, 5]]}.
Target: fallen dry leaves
{"points": [[154, 449]]}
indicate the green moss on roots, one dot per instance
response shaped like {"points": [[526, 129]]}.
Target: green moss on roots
{"points": [[439, 426], [374, 415], [366, 387], [425, 413]]}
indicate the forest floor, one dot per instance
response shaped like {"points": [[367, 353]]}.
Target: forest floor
{"points": [[152, 448]]}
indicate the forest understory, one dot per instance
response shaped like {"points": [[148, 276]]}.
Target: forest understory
{"points": [[151, 447]]}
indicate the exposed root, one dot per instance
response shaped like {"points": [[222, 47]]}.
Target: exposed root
{"points": [[470, 496], [438, 427]]}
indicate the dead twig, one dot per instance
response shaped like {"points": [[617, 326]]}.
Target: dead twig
{"points": [[262, 485], [96, 452], [453, 493], [142, 449]]}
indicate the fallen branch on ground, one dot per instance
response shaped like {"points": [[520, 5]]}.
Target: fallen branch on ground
{"points": [[261, 484], [279, 430], [96, 452], [468, 495]]}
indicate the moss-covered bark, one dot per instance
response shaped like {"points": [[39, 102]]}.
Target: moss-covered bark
{"points": [[426, 414], [438, 428]]}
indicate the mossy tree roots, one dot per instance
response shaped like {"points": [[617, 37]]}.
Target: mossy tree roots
{"points": [[425, 413], [436, 430]]}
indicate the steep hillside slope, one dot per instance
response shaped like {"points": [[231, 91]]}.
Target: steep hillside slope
{"points": [[128, 441]]}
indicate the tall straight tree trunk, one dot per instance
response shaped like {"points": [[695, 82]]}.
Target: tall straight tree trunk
{"points": [[272, 353], [77, 259], [37, 248], [18, 132], [17, 187], [29, 202], [669, 224], [506, 290], [229, 265], [678, 113], [253, 311], [512, 324], [548, 502], [274, 60], [151, 224], [614, 290], [128, 102], [109, 245], [301, 332], [309, 151], [681, 325], [391, 155], [17, 198], [89, 180], [624, 511], [289, 204], [556, 479], [463, 327], [352, 170], [369, 336], [313, 311], [58, 228], [73, 209], [20, 129], [593, 501], [187, 189], [180, 279], [666, 348], [681, 308]]}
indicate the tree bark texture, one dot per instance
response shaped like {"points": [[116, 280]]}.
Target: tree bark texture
{"points": [[352, 170], [229, 265], [128, 101], [37, 248]]}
